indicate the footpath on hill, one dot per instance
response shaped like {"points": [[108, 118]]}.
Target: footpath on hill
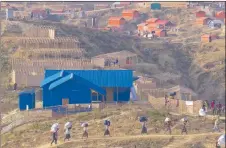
{"points": [[174, 144]]}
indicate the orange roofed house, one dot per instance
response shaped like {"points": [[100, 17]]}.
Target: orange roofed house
{"points": [[200, 14], [116, 21], [130, 14], [220, 15], [202, 20]]}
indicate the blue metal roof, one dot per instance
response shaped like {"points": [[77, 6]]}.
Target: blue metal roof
{"points": [[61, 81], [77, 78], [29, 91], [101, 78], [52, 78]]}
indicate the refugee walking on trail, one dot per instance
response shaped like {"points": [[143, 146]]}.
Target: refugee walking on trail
{"points": [[168, 125], [185, 122], [54, 131], [143, 120], [166, 100], [216, 125], [67, 129], [107, 124], [85, 129], [219, 106]]}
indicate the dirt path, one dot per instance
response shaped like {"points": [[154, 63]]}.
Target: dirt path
{"points": [[175, 143]]}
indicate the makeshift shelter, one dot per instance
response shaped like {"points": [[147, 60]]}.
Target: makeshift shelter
{"points": [[26, 99]]}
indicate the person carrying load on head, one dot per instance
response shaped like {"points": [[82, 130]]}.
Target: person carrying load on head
{"points": [[85, 129], [143, 120], [168, 124], [185, 122], [107, 124], [220, 143], [216, 124], [202, 113], [67, 130], [54, 130]]}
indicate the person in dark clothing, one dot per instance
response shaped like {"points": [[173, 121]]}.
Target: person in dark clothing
{"points": [[15, 87], [54, 134], [107, 124], [168, 125], [144, 128], [184, 129], [219, 106]]}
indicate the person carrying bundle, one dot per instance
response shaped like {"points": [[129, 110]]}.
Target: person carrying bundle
{"points": [[168, 125], [85, 129], [220, 143], [54, 130], [107, 124], [143, 120], [67, 129], [184, 129]]}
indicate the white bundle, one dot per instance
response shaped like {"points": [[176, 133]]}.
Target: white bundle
{"points": [[221, 141], [167, 119], [202, 112], [54, 127], [68, 125], [184, 119], [84, 124]]}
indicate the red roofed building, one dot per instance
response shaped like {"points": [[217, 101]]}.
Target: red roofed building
{"points": [[200, 14]]}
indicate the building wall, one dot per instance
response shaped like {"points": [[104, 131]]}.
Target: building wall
{"points": [[159, 103], [26, 99], [98, 61]]}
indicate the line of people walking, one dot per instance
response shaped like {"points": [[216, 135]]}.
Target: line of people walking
{"points": [[167, 127]]}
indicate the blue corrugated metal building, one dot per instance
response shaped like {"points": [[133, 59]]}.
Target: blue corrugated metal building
{"points": [[26, 97], [85, 86]]}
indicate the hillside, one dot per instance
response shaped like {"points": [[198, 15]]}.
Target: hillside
{"points": [[125, 129]]}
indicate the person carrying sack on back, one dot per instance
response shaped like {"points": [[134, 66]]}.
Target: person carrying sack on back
{"points": [[143, 120], [185, 122], [168, 125], [85, 129], [54, 131], [107, 125], [67, 130]]}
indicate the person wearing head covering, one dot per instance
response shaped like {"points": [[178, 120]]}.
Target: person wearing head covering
{"points": [[67, 130], [107, 125], [54, 130], [168, 125], [213, 106], [85, 129], [185, 122], [220, 143]]}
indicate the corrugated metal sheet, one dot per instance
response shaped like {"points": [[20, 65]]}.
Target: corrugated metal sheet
{"points": [[102, 78], [52, 78], [77, 80], [26, 98]]}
